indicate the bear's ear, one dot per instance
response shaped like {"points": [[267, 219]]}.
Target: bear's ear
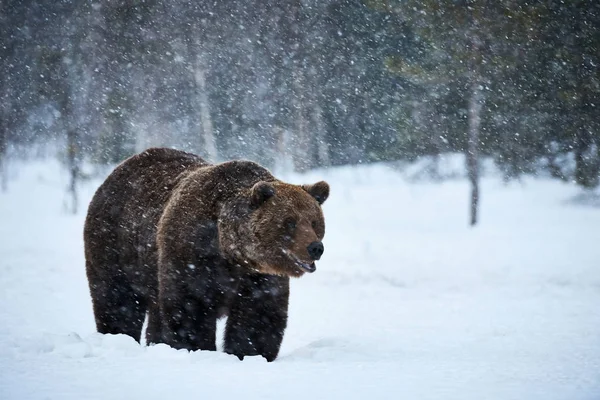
{"points": [[261, 192], [320, 191]]}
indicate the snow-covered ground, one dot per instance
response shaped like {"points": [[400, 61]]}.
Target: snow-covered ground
{"points": [[407, 302]]}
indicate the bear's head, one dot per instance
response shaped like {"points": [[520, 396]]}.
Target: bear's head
{"points": [[277, 228]]}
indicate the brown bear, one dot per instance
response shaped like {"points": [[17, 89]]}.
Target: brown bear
{"points": [[188, 242]]}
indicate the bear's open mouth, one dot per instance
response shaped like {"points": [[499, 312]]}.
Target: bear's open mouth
{"points": [[309, 267], [306, 267]]}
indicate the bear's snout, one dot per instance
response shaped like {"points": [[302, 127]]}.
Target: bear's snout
{"points": [[315, 250]]}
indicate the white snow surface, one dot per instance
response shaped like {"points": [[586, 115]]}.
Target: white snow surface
{"points": [[407, 301]]}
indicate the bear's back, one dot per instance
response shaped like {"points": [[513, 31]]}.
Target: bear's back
{"points": [[143, 180], [125, 209]]}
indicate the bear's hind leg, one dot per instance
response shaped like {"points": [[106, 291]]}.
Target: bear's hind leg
{"points": [[258, 317], [117, 308]]}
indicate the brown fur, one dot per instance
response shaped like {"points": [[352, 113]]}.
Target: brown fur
{"points": [[188, 242]]}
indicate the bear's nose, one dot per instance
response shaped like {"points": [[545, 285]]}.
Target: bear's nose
{"points": [[315, 250]]}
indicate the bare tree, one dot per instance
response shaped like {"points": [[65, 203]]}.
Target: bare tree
{"points": [[472, 155], [197, 66], [199, 71], [466, 44], [3, 163]]}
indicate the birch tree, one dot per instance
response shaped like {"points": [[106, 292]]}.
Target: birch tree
{"points": [[466, 44], [197, 67]]}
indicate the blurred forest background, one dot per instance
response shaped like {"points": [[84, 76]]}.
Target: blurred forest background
{"points": [[305, 83]]}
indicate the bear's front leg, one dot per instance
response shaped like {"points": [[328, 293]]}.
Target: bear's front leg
{"points": [[189, 301], [258, 316]]}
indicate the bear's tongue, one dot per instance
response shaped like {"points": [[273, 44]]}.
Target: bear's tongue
{"points": [[310, 268]]}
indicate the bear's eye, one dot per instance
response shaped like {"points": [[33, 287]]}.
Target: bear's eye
{"points": [[314, 224], [290, 224]]}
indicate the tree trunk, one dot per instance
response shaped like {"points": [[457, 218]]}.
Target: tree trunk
{"points": [[284, 160], [3, 163], [199, 73], [475, 106], [4, 113], [73, 165], [302, 158], [322, 145], [204, 108], [587, 164]]}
